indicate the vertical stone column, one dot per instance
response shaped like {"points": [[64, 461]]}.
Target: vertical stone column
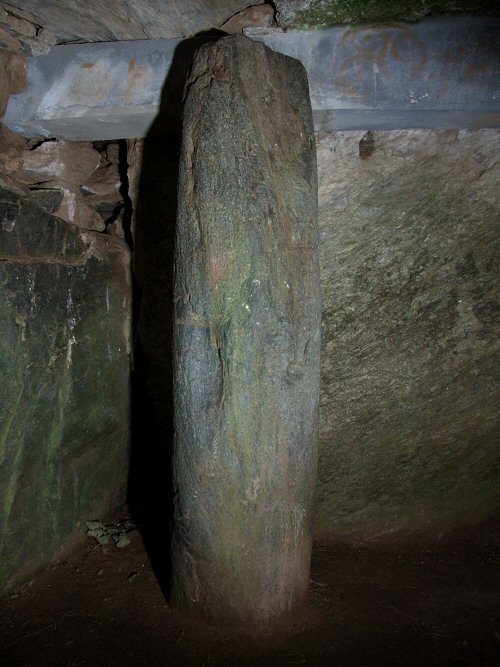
{"points": [[246, 336]]}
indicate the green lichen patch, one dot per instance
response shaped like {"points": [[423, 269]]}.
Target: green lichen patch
{"points": [[307, 14]]}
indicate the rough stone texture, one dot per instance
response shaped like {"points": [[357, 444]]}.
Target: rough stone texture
{"points": [[246, 336], [91, 21], [65, 177], [17, 72], [69, 161], [4, 84], [11, 151], [66, 180], [135, 150], [261, 16], [13, 68], [8, 44], [64, 362], [438, 73], [102, 189], [23, 28], [409, 425], [9, 187], [69, 204], [325, 13]]}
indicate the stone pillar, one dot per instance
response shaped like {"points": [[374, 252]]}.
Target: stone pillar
{"points": [[246, 336]]}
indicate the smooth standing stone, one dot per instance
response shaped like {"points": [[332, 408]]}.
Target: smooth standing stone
{"points": [[246, 336]]}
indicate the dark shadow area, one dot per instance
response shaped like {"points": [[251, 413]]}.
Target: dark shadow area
{"points": [[150, 488], [392, 603]]}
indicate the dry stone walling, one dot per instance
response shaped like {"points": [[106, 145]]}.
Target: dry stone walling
{"points": [[246, 336]]}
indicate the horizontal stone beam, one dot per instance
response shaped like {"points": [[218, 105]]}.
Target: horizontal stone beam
{"points": [[439, 73]]}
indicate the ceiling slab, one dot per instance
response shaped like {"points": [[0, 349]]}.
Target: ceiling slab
{"points": [[439, 73], [114, 20]]}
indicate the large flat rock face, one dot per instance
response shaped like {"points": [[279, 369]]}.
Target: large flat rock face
{"points": [[91, 21], [246, 336], [64, 359], [410, 263]]}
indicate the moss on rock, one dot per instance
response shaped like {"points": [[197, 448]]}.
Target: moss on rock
{"points": [[306, 14]]}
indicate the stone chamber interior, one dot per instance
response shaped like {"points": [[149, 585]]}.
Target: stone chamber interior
{"points": [[405, 558]]}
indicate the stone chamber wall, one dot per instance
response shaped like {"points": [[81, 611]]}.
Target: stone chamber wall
{"points": [[65, 313], [409, 425], [410, 261]]}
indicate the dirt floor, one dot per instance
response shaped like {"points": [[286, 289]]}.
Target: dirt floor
{"points": [[427, 604]]}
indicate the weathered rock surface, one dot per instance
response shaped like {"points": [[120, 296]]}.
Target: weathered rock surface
{"points": [[17, 73], [409, 420], [12, 148], [71, 180], [102, 189], [4, 85], [64, 358], [24, 29], [72, 162], [246, 336], [153, 178], [90, 21], [69, 204], [135, 151], [9, 188], [261, 16], [12, 68], [48, 199], [325, 13]]}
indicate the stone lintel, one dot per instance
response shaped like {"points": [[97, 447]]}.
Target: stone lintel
{"points": [[438, 73]]}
